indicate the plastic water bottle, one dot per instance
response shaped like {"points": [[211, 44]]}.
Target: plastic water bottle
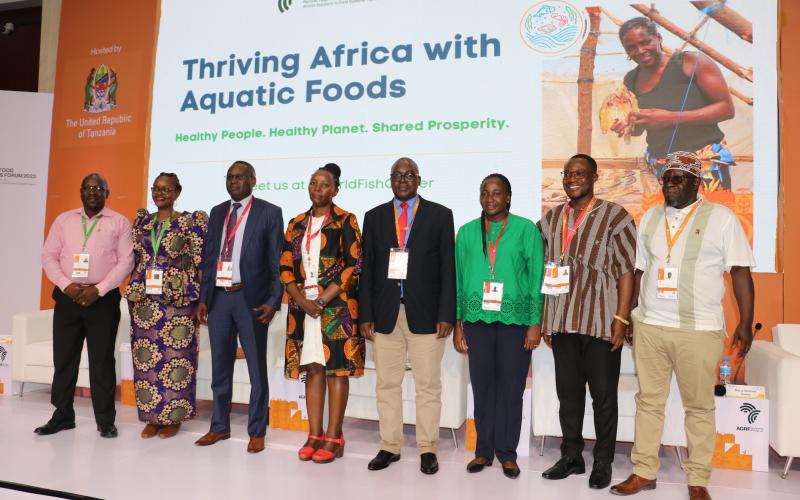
{"points": [[725, 372]]}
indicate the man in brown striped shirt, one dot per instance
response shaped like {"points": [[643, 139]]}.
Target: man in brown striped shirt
{"points": [[590, 253]]}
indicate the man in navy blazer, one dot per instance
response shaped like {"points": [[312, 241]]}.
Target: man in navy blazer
{"points": [[240, 293], [407, 306]]}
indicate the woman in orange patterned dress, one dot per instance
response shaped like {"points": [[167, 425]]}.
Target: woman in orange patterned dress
{"points": [[320, 265]]}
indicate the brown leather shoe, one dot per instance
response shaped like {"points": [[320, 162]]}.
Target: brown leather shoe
{"points": [[634, 484], [255, 445], [150, 430], [211, 438], [169, 431], [698, 493]]}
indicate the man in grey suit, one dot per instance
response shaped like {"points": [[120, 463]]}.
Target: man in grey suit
{"points": [[240, 293]]}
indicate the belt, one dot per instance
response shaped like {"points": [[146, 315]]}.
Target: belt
{"points": [[402, 300], [232, 288]]}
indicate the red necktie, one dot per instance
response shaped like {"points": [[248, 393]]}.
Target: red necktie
{"points": [[227, 248], [402, 221]]}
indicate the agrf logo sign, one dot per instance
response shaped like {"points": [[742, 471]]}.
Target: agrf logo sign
{"points": [[751, 411]]}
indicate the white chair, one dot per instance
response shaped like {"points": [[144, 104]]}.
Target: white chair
{"points": [[32, 337], [776, 366], [545, 403], [455, 377]]}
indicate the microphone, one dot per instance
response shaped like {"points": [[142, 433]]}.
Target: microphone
{"points": [[719, 389]]}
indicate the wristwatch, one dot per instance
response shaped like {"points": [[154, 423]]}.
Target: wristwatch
{"points": [[320, 302]]}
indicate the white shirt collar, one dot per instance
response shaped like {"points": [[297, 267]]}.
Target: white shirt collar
{"points": [[243, 201]]}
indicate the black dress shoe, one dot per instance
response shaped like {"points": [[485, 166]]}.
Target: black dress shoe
{"points": [[601, 476], [428, 463], [54, 426], [382, 460], [565, 467], [478, 463], [511, 469], [107, 430]]}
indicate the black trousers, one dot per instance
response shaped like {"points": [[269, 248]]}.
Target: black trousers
{"points": [[581, 359], [97, 324], [498, 369]]}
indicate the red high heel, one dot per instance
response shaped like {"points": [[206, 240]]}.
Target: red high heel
{"points": [[306, 452], [323, 456]]}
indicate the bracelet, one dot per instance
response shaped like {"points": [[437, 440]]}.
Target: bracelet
{"points": [[622, 320], [320, 302]]}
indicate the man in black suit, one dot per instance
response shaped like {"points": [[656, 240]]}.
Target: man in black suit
{"points": [[408, 295], [240, 292]]}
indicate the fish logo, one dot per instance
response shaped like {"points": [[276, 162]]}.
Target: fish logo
{"points": [[553, 27]]}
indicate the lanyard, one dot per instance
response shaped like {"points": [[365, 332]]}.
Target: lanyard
{"points": [[493, 247], [670, 240], [401, 234], [309, 236], [230, 237], [567, 237], [156, 241], [88, 234]]}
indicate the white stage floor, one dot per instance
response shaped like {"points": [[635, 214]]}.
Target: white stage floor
{"points": [[81, 462]]}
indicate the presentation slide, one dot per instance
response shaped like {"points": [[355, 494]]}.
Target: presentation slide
{"points": [[465, 88]]}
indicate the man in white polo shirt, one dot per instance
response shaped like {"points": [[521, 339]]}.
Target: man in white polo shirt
{"points": [[683, 249]]}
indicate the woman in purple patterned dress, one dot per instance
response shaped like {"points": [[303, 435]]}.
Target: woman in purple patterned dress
{"points": [[162, 296]]}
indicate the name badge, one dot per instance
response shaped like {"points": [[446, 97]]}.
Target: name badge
{"points": [[80, 265], [492, 295], [154, 281], [398, 263], [224, 273], [667, 284], [556, 279]]}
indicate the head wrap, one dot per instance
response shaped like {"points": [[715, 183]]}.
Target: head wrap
{"points": [[683, 160]]}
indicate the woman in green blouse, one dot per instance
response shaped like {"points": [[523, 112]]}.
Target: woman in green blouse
{"points": [[499, 268]]}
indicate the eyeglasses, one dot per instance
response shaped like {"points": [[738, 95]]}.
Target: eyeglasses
{"points": [[236, 177], [92, 189], [161, 190], [406, 176], [675, 180], [566, 174]]}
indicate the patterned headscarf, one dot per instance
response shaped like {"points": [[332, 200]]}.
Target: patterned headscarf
{"points": [[683, 160]]}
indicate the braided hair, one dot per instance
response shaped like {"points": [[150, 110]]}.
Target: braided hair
{"points": [[174, 178], [503, 179]]}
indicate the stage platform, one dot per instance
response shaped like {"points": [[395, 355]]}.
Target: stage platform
{"points": [[81, 462]]}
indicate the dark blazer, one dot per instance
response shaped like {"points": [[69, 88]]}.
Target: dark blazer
{"points": [[430, 290], [260, 258]]}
